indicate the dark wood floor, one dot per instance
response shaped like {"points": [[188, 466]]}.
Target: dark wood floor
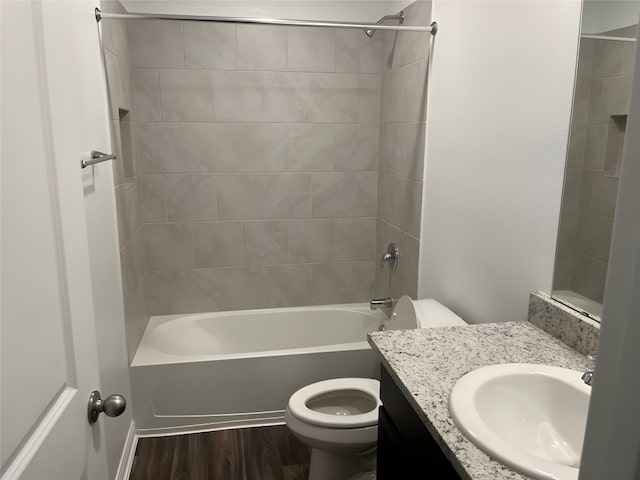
{"points": [[261, 453]]}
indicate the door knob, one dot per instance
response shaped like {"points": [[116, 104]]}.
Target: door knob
{"points": [[112, 406]]}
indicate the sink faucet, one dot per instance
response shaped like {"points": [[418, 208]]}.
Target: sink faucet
{"points": [[386, 302], [587, 377]]}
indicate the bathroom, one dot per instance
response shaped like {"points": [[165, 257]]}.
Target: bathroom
{"points": [[338, 121]]}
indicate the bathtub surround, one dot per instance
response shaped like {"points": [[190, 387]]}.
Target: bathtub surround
{"points": [[258, 161], [117, 58], [574, 329], [402, 140], [257, 155], [598, 123]]}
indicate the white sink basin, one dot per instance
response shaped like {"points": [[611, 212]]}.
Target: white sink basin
{"points": [[529, 417]]}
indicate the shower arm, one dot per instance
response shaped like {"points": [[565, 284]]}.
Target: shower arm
{"points": [[369, 32]]}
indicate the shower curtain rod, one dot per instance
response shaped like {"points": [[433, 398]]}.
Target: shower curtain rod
{"points": [[433, 28], [615, 39]]}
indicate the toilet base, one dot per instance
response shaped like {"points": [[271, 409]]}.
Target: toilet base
{"points": [[335, 466]]}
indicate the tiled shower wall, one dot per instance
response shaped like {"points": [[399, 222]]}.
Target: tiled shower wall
{"points": [[600, 107], [130, 232], [402, 142], [257, 163]]}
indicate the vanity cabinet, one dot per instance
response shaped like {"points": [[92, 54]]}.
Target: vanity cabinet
{"points": [[406, 449]]}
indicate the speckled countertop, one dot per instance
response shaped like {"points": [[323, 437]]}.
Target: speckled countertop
{"points": [[427, 362]]}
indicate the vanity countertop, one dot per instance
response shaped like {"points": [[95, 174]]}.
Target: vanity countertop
{"points": [[427, 362]]}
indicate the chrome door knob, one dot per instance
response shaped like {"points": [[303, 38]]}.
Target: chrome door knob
{"points": [[112, 406]]}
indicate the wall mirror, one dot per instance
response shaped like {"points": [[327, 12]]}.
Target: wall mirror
{"points": [[598, 121]]}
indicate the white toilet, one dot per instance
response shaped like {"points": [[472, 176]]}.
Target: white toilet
{"points": [[338, 418]]}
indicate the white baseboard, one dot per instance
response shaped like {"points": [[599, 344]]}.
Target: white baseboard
{"points": [[128, 453], [170, 431]]}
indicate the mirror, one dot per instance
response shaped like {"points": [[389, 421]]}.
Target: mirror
{"points": [[598, 120]]}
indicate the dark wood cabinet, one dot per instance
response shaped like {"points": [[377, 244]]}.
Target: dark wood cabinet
{"points": [[406, 449]]}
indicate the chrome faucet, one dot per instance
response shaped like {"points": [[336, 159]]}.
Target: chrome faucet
{"points": [[386, 302], [587, 377], [390, 257]]}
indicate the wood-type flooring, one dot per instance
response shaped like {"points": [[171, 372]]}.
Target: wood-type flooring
{"points": [[259, 453]]}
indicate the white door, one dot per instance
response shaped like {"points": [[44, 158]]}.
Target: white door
{"points": [[48, 345]]}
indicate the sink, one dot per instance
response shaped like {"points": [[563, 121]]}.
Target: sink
{"points": [[530, 417]]}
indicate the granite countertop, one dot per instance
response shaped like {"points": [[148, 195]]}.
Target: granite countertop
{"points": [[427, 362]]}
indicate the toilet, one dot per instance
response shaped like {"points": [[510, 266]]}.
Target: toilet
{"points": [[338, 418]]}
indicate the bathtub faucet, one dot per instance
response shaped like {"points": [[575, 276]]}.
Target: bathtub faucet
{"points": [[386, 302]]}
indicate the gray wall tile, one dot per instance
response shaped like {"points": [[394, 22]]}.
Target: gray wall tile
{"points": [[310, 240], [262, 47], [289, 285], [403, 48], [357, 147], [594, 236], [210, 45], [153, 198], [156, 43], [354, 239], [244, 144], [186, 96], [311, 97], [342, 282], [244, 287], [128, 209], [169, 246], [118, 83], [288, 196], [218, 244], [311, 49], [241, 196], [263, 148], [402, 149], [238, 96], [400, 203], [146, 95], [213, 148], [265, 243], [197, 290], [357, 53], [162, 148], [311, 148], [588, 277], [191, 197], [404, 93], [344, 194]]}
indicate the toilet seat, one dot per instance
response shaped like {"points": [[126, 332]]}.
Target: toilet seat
{"points": [[363, 387]]}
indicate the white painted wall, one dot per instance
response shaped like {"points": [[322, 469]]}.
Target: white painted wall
{"points": [[605, 15], [497, 127], [612, 440], [339, 10]]}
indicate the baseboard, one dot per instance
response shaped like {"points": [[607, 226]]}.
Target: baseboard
{"points": [[170, 431], [128, 453]]}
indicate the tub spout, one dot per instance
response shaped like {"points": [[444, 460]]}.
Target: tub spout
{"points": [[376, 303]]}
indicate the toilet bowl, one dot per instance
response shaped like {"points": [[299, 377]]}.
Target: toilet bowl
{"points": [[338, 418]]}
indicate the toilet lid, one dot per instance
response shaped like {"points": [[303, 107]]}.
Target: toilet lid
{"points": [[338, 403]]}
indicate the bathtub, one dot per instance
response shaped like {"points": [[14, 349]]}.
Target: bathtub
{"points": [[230, 369]]}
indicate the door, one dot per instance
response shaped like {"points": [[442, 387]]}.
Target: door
{"points": [[48, 344]]}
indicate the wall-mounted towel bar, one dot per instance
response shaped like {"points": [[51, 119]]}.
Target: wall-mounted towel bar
{"points": [[97, 157]]}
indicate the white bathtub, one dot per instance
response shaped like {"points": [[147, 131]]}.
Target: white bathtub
{"points": [[228, 369]]}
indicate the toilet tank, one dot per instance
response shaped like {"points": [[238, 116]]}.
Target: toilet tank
{"points": [[425, 313]]}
